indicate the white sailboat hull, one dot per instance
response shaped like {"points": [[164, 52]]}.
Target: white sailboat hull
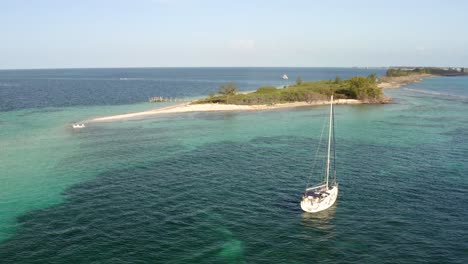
{"points": [[315, 204]]}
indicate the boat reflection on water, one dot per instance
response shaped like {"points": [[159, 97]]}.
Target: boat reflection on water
{"points": [[322, 220]]}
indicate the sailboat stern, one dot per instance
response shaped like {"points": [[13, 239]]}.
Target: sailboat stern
{"points": [[320, 200]]}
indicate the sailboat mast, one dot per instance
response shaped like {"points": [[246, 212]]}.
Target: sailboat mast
{"points": [[329, 140]]}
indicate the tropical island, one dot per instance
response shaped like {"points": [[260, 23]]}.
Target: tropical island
{"points": [[364, 89], [398, 76], [356, 90]]}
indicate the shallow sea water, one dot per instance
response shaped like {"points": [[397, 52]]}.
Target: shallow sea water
{"points": [[225, 187]]}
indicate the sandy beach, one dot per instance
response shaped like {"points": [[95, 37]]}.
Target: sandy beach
{"points": [[385, 83], [395, 82], [188, 107]]}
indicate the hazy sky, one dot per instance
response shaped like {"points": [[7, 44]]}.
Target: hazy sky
{"points": [[168, 33]]}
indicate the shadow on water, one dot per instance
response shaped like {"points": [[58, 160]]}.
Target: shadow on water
{"points": [[239, 201], [215, 116], [322, 221], [227, 248]]}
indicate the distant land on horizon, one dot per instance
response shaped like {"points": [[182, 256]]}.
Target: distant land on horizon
{"points": [[460, 68]]}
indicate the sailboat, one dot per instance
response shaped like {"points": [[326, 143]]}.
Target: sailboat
{"points": [[323, 195]]}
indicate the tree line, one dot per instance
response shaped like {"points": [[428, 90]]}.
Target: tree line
{"points": [[359, 87]]}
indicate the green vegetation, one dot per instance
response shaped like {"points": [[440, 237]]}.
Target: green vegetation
{"points": [[406, 72], [227, 90], [299, 80], [361, 88], [397, 72]]}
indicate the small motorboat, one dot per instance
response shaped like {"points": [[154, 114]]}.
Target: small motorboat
{"points": [[76, 125], [285, 77]]}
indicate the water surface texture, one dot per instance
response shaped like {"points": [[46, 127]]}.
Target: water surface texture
{"points": [[71, 87], [225, 187]]}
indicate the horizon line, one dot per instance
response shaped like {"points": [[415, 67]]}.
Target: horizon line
{"points": [[175, 67]]}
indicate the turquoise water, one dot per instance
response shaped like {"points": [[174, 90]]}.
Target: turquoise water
{"points": [[225, 187]]}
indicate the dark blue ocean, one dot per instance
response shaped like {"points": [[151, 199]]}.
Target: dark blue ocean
{"points": [[71, 87], [225, 187]]}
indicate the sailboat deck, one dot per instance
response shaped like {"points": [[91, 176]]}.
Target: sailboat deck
{"points": [[313, 188]]}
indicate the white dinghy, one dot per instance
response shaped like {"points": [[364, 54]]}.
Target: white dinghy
{"points": [[323, 195], [81, 125]]}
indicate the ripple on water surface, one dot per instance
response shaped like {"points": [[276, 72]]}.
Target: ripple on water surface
{"points": [[236, 202]]}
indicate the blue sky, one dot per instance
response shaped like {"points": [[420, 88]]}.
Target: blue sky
{"points": [[172, 33]]}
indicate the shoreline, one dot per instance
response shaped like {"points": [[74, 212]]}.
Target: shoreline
{"points": [[385, 83], [396, 82], [190, 108]]}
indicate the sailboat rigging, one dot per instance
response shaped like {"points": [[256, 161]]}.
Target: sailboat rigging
{"points": [[320, 197]]}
